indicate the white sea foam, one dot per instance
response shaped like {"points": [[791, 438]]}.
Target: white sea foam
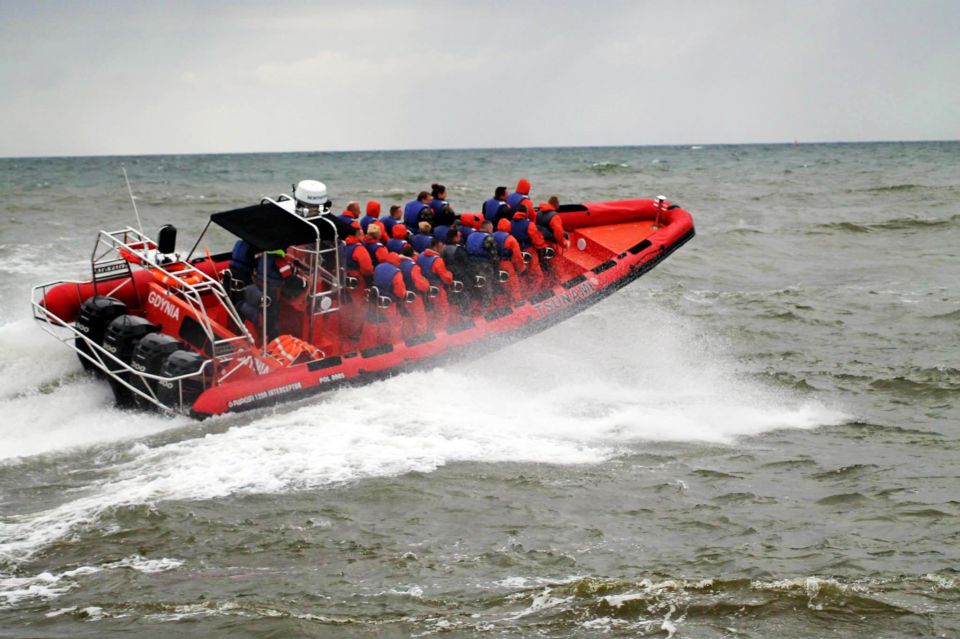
{"points": [[605, 382], [51, 586], [43, 586], [144, 565], [49, 405]]}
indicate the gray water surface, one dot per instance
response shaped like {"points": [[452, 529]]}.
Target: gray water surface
{"points": [[757, 438]]}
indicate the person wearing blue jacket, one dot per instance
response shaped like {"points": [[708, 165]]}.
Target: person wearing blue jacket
{"points": [[496, 208], [418, 210], [443, 213]]}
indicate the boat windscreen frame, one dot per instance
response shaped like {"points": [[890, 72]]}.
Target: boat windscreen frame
{"points": [[268, 226]]}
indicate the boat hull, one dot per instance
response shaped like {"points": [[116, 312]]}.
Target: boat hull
{"points": [[671, 228]]}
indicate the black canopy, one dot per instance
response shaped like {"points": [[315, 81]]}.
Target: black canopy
{"points": [[269, 227]]}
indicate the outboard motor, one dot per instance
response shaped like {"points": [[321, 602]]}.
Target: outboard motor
{"points": [[122, 336], [177, 364], [148, 357], [96, 313]]}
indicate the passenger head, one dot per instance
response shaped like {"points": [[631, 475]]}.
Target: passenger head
{"points": [[396, 212], [356, 230], [424, 228], [373, 232], [523, 186], [439, 191], [453, 235], [436, 244], [503, 225], [500, 193], [424, 197], [407, 250], [399, 231], [554, 202], [471, 219], [354, 207], [373, 208], [486, 226]]}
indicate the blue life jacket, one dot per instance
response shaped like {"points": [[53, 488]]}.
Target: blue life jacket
{"points": [[365, 222], [466, 231], [372, 248], [346, 257], [274, 278], [406, 267], [395, 245], [436, 204], [543, 223], [440, 233], [519, 229], [514, 200], [348, 219], [241, 259], [425, 262], [383, 279], [388, 223], [475, 248], [501, 238], [494, 209], [411, 213], [420, 243]]}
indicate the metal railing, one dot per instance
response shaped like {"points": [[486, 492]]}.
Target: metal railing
{"points": [[118, 252], [108, 363]]}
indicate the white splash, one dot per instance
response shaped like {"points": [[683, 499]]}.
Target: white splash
{"points": [[49, 404], [610, 380]]}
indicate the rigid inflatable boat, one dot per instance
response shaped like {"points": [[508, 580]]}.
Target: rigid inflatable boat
{"points": [[167, 331]]}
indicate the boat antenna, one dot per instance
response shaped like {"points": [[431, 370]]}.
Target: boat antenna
{"points": [[133, 200]]}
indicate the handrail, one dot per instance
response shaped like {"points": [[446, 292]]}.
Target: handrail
{"points": [[188, 289]]}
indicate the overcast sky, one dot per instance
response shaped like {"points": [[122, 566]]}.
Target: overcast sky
{"points": [[94, 78]]}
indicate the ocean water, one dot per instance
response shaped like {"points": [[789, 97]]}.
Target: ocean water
{"points": [[760, 437]]}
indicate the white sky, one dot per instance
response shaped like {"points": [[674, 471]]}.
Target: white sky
{"points": [[93, 78]]}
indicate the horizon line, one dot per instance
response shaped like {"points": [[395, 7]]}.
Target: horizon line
{"points": [[472, 148]]}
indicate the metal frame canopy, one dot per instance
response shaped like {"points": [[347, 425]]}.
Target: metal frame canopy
{"points": [[269, 227]]}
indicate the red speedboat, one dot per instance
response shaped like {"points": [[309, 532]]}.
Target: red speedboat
{"points": [[168, 331]]}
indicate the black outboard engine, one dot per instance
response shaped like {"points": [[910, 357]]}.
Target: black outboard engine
{"points": [[177, 364], [120, 340], [148, 357], [96, 313]]}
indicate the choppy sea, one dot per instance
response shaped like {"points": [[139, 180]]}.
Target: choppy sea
{"points": [[759, 437]]}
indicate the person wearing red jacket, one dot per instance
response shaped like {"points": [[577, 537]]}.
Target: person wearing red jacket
{"points": [[511, 258], [382, 325], [357, 264], [351, 213], [389, 281], [378, 252], [356, 260], [415, 320], [552, 222], [373, 217], [398, 239], [519, 200], [531, 241], [434, 269]]}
